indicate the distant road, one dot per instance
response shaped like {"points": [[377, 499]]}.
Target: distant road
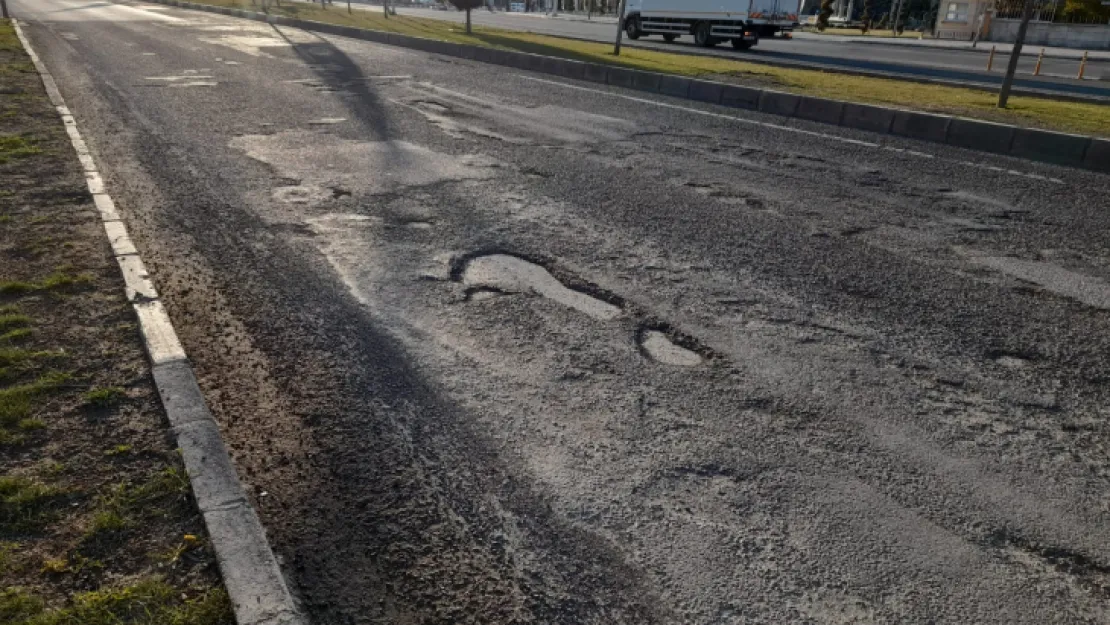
{"points": [[915, 61]]}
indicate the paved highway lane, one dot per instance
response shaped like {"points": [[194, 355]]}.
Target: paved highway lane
{"points": [[918, 61], [490, 347]]}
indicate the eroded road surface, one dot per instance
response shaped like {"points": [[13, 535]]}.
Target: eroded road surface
{"points": [[493, 348]]}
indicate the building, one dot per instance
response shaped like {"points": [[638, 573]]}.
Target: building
{"points": [[960, 19]]}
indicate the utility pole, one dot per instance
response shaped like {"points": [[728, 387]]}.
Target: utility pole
{"points": [[1015, 55], [620, 28]]}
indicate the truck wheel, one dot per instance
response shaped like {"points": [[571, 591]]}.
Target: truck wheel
{"points": [[703, 35], [632, 27], [669, 38]]}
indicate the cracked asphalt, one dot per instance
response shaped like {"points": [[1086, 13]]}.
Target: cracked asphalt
{"points": [[489, 347]]}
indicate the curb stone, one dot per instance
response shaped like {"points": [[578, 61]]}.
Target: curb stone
{"points": [[255, 586], [1039, 145]]}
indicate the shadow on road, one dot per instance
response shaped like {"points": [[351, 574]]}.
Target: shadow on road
{"points": [[336, 70]]}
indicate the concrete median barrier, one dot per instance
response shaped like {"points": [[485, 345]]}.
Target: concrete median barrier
{"points": [[820, 110], [740, 97], [677, 86], [705, 91], [619, 77], [1098, 155], [1051, 147], [595, 73], [645, 81], [921, 126], [869, 118], [779, 103], [979, 135]]}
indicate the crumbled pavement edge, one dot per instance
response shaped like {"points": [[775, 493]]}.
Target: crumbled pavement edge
{"points": [[251, 575]]}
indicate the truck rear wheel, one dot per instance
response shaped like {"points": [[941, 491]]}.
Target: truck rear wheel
{"points": [[632, 27], [703, 35]]}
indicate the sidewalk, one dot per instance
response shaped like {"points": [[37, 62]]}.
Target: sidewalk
{"points": [[911, 40], [97, 520]]}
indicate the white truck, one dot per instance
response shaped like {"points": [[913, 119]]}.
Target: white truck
{"points": [[711, 21]]}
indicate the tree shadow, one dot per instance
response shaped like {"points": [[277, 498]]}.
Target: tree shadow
{"points": [[336, 70]]}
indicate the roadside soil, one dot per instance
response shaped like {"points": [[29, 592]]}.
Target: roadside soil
{"points": [[97, 521]]}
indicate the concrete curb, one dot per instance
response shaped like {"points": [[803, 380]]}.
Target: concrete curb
{"points": [[254, 583], [1038, 145]]}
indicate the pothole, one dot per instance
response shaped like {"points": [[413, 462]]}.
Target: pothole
{"points": [[301, 194], [482, 293], [510, 274], [660, 348]]}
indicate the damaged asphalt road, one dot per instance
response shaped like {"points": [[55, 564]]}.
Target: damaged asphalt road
{"points": [[487, 348]]}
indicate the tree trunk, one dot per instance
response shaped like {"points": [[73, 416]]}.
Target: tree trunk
{"points": [[1015, 56], [468, 21]]}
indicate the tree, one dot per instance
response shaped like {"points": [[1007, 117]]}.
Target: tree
{"points": [[467, 5], [865, 19], [825, 14], [1089, 11]]}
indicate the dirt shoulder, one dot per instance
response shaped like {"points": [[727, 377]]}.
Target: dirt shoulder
{"points": [[97, 521]]}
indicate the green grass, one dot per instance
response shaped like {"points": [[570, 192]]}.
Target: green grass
{"points": [[15, 336], [102, 398], [16, 147], [9, 321], [9, 557], [105, 521], [26, 504], [17, 606], [17, 287], [57, 280], [118, 450], [153, 497], [8, 41], [1025, 111], [17, 402], [149, 602]]}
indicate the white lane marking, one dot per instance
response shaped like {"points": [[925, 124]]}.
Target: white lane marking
{"points": [[159, 336], [800, 131]]}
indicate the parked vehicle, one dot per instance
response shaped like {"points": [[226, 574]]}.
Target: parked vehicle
{"points": [[711, 22]]}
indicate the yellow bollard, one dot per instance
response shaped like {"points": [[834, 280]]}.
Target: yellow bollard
{"points": [[990, 59], [1040, 59], [1082, 66]]}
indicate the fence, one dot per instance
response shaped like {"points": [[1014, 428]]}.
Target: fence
{"points": [[1081, 36]]}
